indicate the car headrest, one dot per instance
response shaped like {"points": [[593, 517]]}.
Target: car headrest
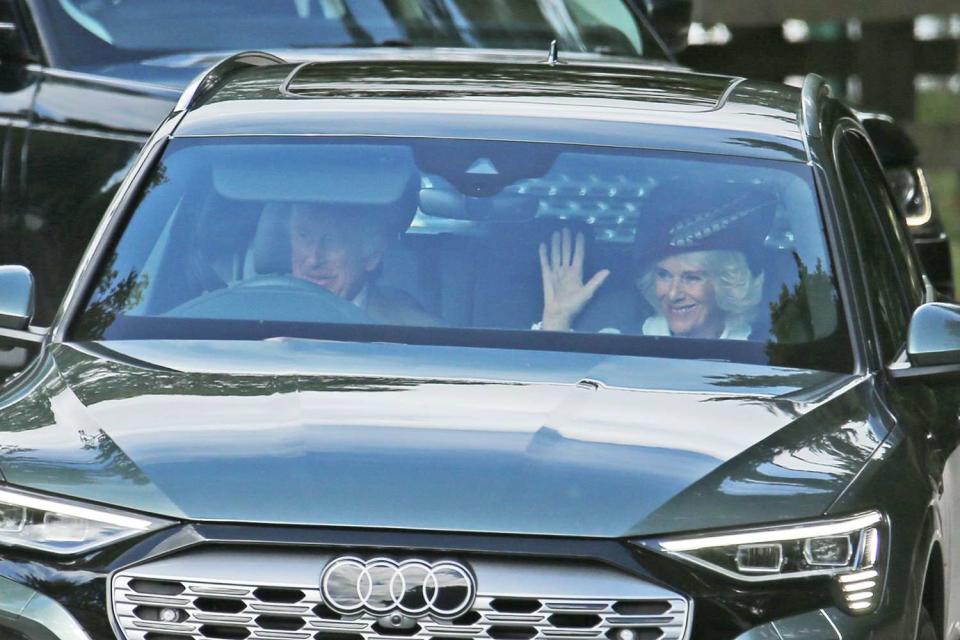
{"points": [[271, 243]]}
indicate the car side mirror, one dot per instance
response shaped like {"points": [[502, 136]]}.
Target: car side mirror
{"points": [[13, 39], [16, 297], [18, 341], [934, 335], [933, 342]]}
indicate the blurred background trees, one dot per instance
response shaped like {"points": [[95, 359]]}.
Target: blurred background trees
{"points": [[902, 58]]}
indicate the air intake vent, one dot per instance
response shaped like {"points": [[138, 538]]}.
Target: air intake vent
{"points": [[283, 596], [218, 632], [156, 588], [642, 608], [514, 605], [574, 620]]}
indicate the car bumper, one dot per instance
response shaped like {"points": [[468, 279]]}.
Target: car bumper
{"points": [[71, 602], [824, 624], [35, 616]]}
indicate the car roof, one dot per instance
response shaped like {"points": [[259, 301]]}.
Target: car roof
{"points": [[518, 96]]}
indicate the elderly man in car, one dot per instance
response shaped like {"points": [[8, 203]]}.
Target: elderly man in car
{"points": [[342, 250]]}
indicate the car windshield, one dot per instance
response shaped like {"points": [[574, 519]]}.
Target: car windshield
{"points": [[475, 243], [106, 31]]}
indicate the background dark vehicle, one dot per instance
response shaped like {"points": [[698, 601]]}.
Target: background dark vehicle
{"points": [[670, 19], [82, 84], [796, 482], [901, 161]]}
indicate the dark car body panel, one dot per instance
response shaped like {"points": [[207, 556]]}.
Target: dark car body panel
{"points": [[345, 435], [65, 155], [77, 100]]}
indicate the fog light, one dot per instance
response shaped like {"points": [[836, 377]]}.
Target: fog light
{"points": [[626, 634], [169, 615], [759, 558], [829, 551]]}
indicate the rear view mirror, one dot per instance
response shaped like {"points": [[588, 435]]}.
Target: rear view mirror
{"points": [[503, 207]]}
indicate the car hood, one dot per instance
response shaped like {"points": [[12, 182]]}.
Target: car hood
{"points": [[436, 438]]}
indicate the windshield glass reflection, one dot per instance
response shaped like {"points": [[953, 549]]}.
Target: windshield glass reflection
{"points": [[477, 243]]}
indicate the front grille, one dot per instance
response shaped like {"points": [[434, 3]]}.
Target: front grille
{"points": [[151, 604]]}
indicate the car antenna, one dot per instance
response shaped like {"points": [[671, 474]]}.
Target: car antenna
{"points": [[553, 56]]}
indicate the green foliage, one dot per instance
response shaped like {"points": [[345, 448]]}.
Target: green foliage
{"points": [[114, 295], [937, 107], [808, 310], [946, 193]]}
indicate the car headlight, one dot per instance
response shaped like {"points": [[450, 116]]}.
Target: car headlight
{"points": [[64, 527], [848, 550], [909, 186]]}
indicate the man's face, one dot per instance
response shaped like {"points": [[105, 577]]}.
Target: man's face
{"points": [[330, 250], [687, 298]]}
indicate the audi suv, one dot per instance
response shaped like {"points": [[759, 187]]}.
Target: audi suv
{"points": [[494, 350]]}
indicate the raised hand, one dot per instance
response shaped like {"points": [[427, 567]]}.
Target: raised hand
{"points": [[564, 292]]}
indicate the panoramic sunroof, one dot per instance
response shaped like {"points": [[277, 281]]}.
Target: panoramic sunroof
{"points": [[660, 91]]}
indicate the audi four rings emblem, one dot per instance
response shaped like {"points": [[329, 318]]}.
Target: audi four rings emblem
{"points": [[381, 586]]}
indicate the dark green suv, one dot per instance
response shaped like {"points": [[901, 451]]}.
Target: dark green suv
{"points": [[495, 349]]}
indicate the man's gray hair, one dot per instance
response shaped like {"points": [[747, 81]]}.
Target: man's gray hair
{"points": [[375, 234]]}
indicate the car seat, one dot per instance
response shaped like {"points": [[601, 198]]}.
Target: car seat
{"points": [[508, 292]]}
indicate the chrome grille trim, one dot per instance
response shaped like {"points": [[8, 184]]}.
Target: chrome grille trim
{"points": [[560, 589]]}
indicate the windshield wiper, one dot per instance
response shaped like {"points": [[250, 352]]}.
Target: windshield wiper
{"points": [[394, 42]]}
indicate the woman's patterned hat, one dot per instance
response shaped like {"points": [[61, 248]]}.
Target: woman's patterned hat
{"points": [[679, 217]]}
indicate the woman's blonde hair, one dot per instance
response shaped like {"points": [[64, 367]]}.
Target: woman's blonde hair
{"points": [[738, 291]]}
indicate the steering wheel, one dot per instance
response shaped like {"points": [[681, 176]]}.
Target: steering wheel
{"points": [[281, 298]]}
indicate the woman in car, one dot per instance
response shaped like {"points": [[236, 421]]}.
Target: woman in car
{"points": [[693, 258]]}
